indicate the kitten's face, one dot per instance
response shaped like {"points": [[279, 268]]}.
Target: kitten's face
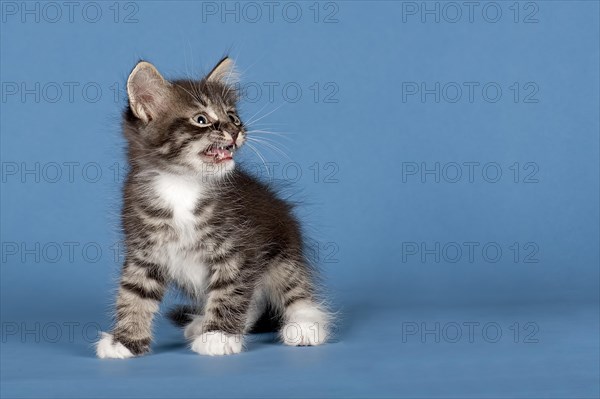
{"points": [[184, 126]]}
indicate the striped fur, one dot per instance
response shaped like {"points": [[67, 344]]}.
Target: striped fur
{"points": [[206, 227]]}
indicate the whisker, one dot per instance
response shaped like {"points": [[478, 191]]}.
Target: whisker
{"points": [[271, 146], [283, 135], [261, 157], [264, 116], [250, 120], [269, 140]]}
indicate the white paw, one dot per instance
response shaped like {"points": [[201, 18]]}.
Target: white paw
{"points": [[107, 349], [306, 324], [217, 343], [193, 329], [304, 333]]}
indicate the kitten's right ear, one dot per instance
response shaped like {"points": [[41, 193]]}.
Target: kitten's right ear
{"points": [[224, 72], [147, 90]]}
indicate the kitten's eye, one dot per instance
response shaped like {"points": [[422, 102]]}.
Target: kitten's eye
{"points": [[233, 118], [202, 120]]}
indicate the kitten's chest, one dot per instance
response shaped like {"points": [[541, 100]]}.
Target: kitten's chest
{"points": [[180, 253], [180, 195]]}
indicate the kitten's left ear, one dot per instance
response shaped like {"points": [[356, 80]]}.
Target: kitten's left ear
{"points": [[224, 72], [148, 91]]}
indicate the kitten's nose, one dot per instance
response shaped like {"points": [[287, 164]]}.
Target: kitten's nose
{"points": [[231, 136]]}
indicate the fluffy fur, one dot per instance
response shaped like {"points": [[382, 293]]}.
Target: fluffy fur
{"points": [[194, 220]]}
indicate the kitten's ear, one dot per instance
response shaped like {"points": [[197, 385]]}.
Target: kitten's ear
{"points": [[148, 91], [224, 72]]}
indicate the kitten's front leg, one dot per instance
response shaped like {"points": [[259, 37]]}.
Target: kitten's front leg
{"points": [[141, 290], [221, 329]]}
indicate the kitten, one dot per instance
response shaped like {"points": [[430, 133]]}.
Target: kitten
{"points": [[191, 218]]}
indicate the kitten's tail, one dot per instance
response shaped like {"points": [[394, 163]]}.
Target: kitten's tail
{"points": [[182, 315]]}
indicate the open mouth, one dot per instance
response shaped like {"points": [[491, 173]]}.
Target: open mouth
{"points": [[219, 153]]}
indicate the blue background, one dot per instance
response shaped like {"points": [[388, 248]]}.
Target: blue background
{"points": [[363, 134]]}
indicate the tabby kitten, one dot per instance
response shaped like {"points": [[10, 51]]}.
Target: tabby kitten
{"points": [[194, 220]]}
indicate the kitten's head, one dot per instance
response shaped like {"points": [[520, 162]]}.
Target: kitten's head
{"points": [[183, 126]]}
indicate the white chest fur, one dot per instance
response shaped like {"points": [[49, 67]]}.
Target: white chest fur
{"points": [[181, 194]]}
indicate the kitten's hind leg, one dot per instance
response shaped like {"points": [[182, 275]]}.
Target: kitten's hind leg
{"points": [[306, 324], [305, 320]]}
